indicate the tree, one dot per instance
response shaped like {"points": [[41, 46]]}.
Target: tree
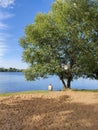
{"points": [[82, 28], [61, 37], [87, 36]]}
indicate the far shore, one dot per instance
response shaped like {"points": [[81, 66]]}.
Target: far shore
{"points": [[44, 91]]}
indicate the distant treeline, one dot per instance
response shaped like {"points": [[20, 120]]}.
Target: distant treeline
{"points": [[10, 70]]}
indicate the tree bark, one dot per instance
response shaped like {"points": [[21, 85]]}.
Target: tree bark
{"points": [[68, 83], [63, 82], [69, 80], [62, 79]]}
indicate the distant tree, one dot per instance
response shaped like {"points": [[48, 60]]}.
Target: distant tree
{"points": [[63, 42], [1, 69], [10, 70]]}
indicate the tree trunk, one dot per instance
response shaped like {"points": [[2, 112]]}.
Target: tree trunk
{"points": [[62, 79], [68, 83], [63, 82], [69, 80]]}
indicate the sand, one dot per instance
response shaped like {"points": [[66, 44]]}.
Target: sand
{"points": [[68, 110]]}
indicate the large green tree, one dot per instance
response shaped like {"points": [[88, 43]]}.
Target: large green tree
{"points": [[82, 27], [63, 42]]}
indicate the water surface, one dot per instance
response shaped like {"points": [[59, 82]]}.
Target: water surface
{"points": [[16, 82]]}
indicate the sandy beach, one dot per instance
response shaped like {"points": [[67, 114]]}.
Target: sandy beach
{"points": [[62, 110]]}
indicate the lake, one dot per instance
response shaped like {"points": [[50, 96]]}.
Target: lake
{"points": [[16, 82]]}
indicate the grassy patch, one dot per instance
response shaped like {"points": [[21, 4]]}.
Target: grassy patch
{"points": [[24, 92], [85, 90]]}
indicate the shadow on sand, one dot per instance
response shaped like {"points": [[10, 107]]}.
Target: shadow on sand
{"points": [[47, 114]]}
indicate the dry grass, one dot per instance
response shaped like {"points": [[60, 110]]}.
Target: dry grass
{"points": [[67, 110]]}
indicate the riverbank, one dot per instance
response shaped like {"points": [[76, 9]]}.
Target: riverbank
{"points": [[23, 92], [62, 110]]}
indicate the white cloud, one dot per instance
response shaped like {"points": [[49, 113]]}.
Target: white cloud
{"points": [[5, 15], [4, 36], [2, 52], [3, 26], [3, 46], [6, 3]]}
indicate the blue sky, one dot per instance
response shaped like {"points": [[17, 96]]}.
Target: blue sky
{"points": [[14, 16]]}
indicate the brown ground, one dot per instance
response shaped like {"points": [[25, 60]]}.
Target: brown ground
{"points": [[67, 110]]}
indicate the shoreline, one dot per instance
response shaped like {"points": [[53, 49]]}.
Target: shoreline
{"points": [[45, 91]]}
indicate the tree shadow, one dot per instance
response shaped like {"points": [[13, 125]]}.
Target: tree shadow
{"points": [[48, 114]]}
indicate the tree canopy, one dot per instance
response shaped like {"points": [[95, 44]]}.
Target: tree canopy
{"points": [[65, 36]]}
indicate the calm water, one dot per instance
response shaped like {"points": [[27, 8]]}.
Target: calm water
{"points": [[16, 82]]}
